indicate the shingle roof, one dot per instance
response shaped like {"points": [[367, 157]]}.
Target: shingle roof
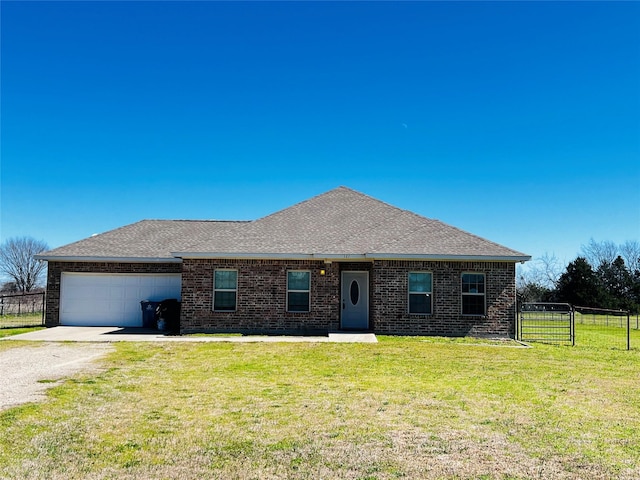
{"points": [[147, 239], [341, 223]]}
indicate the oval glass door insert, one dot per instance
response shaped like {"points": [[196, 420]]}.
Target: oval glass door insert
{"points": [[354, 292]]}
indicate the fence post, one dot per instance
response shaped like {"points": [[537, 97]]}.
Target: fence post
{"points": [[43, 300], [628, 331]]}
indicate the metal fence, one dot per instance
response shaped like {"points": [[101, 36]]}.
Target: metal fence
{"points": [[556, 323], [22, 310], [606, 317], [546, 322]]}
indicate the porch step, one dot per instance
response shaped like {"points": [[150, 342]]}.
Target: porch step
{"points": [[352, 337]]}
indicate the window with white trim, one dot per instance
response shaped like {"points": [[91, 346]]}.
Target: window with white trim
{"points": [[473, 294], [225, 290], [420, 293], [298, 291]]}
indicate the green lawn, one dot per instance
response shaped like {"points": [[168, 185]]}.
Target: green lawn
{"points": [[23, 320], [591, 330], [8, 331], [402, 408]]}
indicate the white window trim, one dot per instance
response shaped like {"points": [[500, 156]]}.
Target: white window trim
{"points": [[409, 293], [213, 300], [308, 292], [468, 294]]}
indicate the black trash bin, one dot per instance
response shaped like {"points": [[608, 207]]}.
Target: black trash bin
{"points": [[169, 313], [149, 313]]}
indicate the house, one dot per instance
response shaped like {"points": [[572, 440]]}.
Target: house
{"points": [[338, 261]]}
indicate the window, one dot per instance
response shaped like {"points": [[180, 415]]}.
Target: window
{"points": [[420, 290], [225, 289], [298, 290], [473, 294]]}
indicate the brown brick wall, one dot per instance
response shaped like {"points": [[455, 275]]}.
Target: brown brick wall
{"points": [[54, 275], [261, 300], [261, 297], [389, 310]]}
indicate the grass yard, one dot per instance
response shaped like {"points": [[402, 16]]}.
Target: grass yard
{"points": [[411, 408], [606, 337], [598, 331], [9, 331], [23, 320]]}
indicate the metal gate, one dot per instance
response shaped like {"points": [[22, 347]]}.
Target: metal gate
{"points": [[546, 322]]}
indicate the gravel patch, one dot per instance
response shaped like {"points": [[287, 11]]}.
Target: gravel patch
{"points": [[27, 372]]}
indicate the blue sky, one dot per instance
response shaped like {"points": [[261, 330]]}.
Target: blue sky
{"points": [[519, 122]]}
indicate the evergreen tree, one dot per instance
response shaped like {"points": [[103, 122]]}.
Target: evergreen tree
{"points": [[579, 285], [617, 284]]}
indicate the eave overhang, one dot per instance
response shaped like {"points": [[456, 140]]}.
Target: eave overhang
{"points": [[101, 259], [351, 257]]}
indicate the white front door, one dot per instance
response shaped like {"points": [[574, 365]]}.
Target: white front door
{"points": [[355, 300]]}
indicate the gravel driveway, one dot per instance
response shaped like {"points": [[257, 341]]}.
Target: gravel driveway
{"points": [[22, 369]]}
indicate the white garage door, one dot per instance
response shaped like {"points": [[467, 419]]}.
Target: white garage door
{"points": [[112, 300]]}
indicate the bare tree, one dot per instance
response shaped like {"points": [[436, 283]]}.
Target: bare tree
{"points": [[17, 261], [551, 268], [598, 253], [630, 251], [528, 289], [544, 271], [537, 281]]}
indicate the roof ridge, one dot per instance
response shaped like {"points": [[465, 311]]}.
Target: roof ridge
{"points": [[302, 202], [191, 220], [337, 189], [395, 207]]}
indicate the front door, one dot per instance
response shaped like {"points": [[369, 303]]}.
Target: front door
{"points": [[355, 300]]}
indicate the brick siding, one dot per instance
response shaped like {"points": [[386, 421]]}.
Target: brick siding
{"points": [[262, 294], [54, 276], [389, 310], [261, 297]]}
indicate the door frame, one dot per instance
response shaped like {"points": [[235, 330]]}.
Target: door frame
{"points": [[343, 299]]}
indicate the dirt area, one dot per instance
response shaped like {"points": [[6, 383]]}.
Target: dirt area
{"points": [[28, 371]]}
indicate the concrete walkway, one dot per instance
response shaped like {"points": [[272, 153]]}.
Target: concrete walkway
{"points": [[119, 334]]}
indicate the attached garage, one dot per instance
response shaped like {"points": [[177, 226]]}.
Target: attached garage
{"points": [[105, 299]]}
